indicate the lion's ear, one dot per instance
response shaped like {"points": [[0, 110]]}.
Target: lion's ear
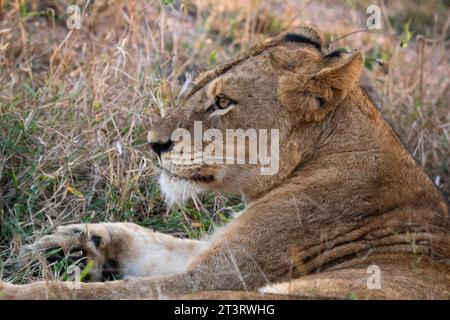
{"points": [[312, 96], [343, 73]]}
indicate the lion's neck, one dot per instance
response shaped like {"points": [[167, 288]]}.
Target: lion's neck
{"points": [[360, 187], [357, 155]]}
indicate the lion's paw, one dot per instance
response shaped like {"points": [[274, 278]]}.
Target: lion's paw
{"points": [[84, 244]]}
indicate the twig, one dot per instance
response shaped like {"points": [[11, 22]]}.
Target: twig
{"points": [[421, 53], [328, 45]]}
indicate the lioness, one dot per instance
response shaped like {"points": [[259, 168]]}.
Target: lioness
{"points": [[347, 199]]}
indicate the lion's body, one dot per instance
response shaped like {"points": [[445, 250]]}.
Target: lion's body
{"points": [[347, 196]]}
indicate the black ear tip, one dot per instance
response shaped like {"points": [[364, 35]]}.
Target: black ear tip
{"points": [[297, 38], [337, 53], [305, 34]]}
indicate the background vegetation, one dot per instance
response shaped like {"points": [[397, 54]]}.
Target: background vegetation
{"points": [[75, 106]]}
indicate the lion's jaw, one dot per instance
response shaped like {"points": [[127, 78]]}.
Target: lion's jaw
{"points": [[176, 190]]}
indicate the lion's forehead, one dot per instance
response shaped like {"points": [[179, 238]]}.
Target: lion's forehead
{"points": [[245, 73], [258, 58]]}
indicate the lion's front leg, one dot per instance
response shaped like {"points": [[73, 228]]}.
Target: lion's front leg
{"points": [[136, 288], [123, 250], [223, 265]]}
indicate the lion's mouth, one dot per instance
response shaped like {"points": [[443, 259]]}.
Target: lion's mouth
{"points": [[201, 178], [195, 177]]}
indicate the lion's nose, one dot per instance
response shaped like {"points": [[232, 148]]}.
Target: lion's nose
{"points": [[159, 147]]}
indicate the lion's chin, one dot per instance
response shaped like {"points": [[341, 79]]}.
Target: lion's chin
{"points": [[177, 191]]}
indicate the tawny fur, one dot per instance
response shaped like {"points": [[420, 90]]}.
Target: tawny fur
{"points": [[347, 195]]}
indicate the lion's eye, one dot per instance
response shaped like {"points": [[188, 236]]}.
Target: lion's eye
{"points": [[221, 102]]}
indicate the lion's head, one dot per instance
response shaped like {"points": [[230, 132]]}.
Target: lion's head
{"points": [[285, 85]]}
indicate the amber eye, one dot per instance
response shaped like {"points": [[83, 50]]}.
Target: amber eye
{"points": [[223, 101]]}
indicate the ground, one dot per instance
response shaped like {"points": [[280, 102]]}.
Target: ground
{"points": [[75, 106]]}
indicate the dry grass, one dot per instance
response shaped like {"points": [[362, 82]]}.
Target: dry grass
{"points": [[75, 106]]}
